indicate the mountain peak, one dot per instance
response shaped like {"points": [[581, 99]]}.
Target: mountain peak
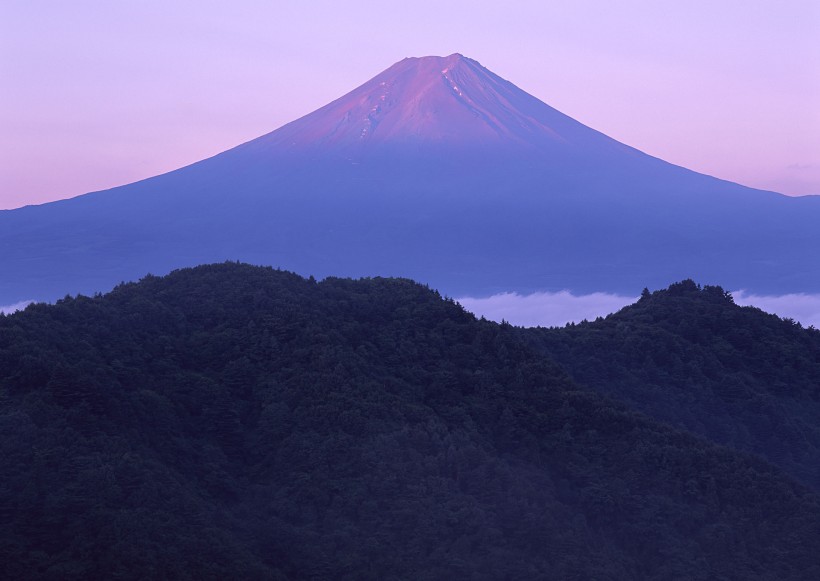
{"points": [[431, 100], [436, 169], [453, 58], [446, 63]]}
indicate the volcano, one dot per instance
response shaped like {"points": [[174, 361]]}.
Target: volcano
{"points": [[436, 169]]}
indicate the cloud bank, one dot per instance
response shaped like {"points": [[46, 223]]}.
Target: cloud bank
{"points": [[545, 309], [557, 309], [800, 307], [15, 307]]}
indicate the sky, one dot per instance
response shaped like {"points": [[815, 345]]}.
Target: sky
{"points": [[95, 94]]}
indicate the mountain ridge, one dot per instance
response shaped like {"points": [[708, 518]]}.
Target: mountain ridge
{"points": [[233, 418], [690, 357]]}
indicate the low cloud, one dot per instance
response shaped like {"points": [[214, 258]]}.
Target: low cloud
{"points": [[800, 307], [558, 309], [15, 307], [545, 309]]}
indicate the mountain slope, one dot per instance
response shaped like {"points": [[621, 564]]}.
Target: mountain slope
{"points": [[435, 101], [436, 169], [230, 420], [690, 357]]}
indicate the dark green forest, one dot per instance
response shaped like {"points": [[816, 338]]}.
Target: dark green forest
{"points": [[231, 421]]}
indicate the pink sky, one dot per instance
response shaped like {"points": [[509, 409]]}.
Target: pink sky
{"points": [[97, 94]]}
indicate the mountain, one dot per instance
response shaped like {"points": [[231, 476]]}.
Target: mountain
{"points": [[436, 169], [689, 357], [234, 421]]}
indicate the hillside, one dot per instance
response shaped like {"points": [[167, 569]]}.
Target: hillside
{"points": [[235, 421], [690, 357]]}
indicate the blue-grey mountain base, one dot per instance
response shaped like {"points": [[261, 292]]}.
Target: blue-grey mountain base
{"points": [[436, 169]]}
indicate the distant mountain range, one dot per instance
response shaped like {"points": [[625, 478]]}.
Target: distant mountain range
{"points": [[436, 169]]}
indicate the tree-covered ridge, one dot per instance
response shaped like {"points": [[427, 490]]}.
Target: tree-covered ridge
{"points": [[690, 357], [231, 421]]}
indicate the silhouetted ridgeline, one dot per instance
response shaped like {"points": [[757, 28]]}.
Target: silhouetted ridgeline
{"points": [[690, 357], [230, 421]]}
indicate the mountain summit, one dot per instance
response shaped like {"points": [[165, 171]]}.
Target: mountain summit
{"points": [[432, 101], [436, 169]]}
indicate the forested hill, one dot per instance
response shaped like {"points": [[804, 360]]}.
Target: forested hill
{"points": [[691, 357], [230, 421]]}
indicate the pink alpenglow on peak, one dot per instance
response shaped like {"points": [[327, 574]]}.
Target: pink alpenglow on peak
{"points": [[445, 101]]}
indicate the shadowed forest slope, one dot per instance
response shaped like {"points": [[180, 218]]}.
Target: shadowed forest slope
{"points": [[690, 357], [234, 421]]}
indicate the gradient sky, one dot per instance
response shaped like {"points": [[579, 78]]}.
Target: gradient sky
{"points": [[95, 94]]}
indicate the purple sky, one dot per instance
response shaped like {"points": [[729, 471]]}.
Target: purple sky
{"points": [[97, 94]]}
